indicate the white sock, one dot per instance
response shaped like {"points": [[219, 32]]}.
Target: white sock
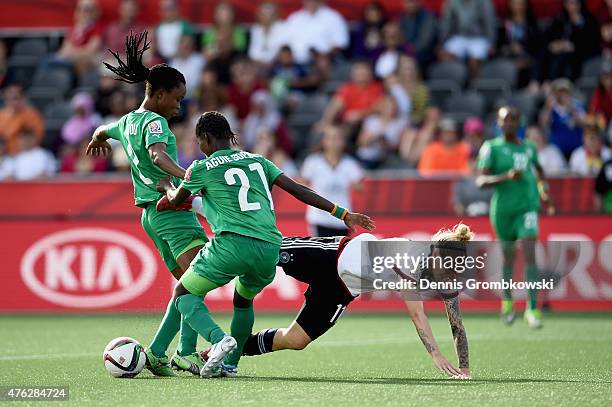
{"points": [[197, 206]]}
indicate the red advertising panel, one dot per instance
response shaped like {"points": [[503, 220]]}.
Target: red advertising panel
{"points": [[102, 266]]}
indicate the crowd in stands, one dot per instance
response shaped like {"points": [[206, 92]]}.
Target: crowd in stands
{"points": [[410, 91]]}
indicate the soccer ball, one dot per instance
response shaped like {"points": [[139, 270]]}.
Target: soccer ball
{"points": [[124, 357]]}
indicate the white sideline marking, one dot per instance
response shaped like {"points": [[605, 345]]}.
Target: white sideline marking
{"points": [[49, 356]]}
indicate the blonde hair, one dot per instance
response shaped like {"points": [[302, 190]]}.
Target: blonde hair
{"points": [[459, 233]]}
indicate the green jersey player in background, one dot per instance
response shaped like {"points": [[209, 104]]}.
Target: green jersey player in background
{"points": [[235, 187], [508, 164], [151, 149]]}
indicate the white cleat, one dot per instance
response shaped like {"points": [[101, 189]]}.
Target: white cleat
{"points": [[533, 318], [216, 354]]}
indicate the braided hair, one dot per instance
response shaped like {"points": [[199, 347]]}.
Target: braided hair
{"points": [[160, 76], [214, 124]]}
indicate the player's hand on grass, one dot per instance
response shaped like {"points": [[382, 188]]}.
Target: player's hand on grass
{"points": [[164, 184], [446, 367], [98, 147], [353, 219]]}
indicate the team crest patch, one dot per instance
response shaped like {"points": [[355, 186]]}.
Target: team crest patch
{"points": [[155, 127], [284, 257]]}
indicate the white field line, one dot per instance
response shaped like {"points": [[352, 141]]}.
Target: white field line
{"points": [[334, 344]]}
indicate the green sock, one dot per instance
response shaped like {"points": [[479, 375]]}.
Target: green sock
{"points": [[241, 328], [507, 275], [167, 330], [198, 317], [531, 274], [188, 339]]}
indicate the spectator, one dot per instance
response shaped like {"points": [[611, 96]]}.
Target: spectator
{"points": [[117, 31], [469, 199], [474, 136], [188, 149], [266, 35], [119, 100], [572, 39], [408, 89], [550, 157], [170, 30], [519, 40], [244, 84], [588, 159], [419, 28], [468, 29], [107, 86], [5, 74], [333, 174], [6, 163], [449, 155], [601, 101], [83, 42], [224, 59], [386, 58], [266, 145], [211, 94], [17, 116], [414, 140], [368, 36], [354, 100], [224, 25], [76, 161], [84, 119], [604, 17], [32, 161], [603, 188], [189, 62], [264, 114], [327, 31], [563, 116], [381, 132], [290, 80]]}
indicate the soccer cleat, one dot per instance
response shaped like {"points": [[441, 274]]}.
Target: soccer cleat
{"points": [[191, 363], [533, 318], [508, 314], [164, 204], [216, 354], [229, 370], [158, 366]]}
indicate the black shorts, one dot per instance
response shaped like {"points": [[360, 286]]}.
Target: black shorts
{"points": [[314, 260]]}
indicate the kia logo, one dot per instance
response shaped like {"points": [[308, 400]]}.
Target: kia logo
{"points": [[88, 268]]}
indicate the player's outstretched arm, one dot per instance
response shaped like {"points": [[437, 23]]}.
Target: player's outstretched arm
{"points": [[159, 156], [310, 197], [98, 144], [460, 338], [421, 324]]}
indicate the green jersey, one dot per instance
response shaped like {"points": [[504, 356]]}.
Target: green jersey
{"points": [[235, 188], [136, 131], [499, 156]]}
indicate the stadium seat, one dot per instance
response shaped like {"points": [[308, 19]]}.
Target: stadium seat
{"points": [[451, 71], [300, 125], [586, 85], [331, 86], [490, 89], [314, 104], [341, 72], [41, 97], [500, 69], [31, 47], [525, 102], [470, 103], [440, 90], [58, 79], [23, 69], [60, 111], [592, 67]]}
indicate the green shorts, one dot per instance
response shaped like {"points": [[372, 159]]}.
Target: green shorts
{"points": [[230, 255], [173, 232], [515, 226]]}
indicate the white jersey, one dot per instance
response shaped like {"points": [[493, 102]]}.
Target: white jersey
{"points": [[359, 277]]}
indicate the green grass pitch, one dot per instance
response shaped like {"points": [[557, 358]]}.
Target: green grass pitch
{"points": [[365, 360]]}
